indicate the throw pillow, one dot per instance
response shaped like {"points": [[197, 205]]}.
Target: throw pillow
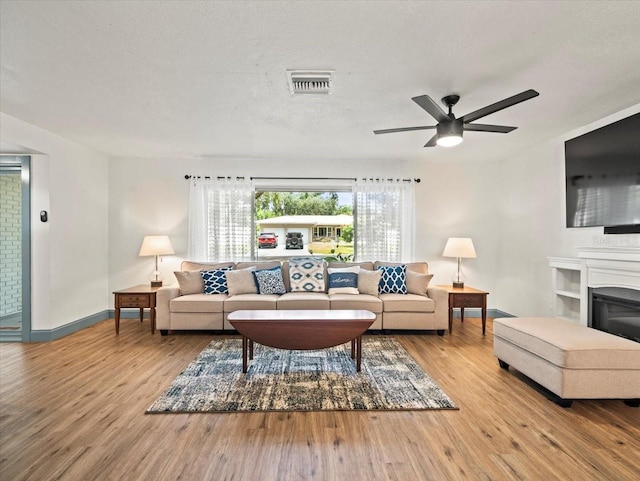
{"points": [[306, 274], [269, 281], [343, 281], [215, 282], [368, 282], [241, 281], [190, 282], [417, 283], [393, 280]]}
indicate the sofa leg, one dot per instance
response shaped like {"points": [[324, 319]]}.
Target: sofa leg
{"points": [[634, 403], [440, 332], [164, 332], [503, 364]]}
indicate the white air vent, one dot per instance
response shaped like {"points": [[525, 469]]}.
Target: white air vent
{"points": [[310, 81]]}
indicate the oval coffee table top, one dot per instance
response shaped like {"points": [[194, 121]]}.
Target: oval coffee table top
{"points": [[302, 315]]}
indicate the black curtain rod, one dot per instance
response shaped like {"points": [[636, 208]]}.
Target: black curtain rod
{"points": [[220, 177]]}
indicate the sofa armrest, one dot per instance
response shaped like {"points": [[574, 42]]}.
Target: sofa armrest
{"points": [[441, 298], [163, 298]]}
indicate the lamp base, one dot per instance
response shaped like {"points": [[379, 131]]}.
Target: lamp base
{"points": [[156, 283], [458, 284]]}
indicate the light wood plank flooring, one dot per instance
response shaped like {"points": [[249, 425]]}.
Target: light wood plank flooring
{"points": [[73, 409]]}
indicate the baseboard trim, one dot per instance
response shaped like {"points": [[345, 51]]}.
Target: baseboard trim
{"points": [[58, 332], [473, 312]]}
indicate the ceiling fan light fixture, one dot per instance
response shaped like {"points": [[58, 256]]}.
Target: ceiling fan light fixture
{"points": [[449, 133]]}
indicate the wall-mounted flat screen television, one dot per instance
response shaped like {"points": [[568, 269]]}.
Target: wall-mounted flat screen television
{"points": [[603, 177]]}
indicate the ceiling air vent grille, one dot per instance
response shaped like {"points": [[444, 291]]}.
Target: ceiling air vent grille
{"points": [[310, 81]]}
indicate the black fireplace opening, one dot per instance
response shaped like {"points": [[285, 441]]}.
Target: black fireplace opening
{"points": [[616, 310]]}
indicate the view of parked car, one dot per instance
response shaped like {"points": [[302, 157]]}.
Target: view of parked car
{"points": [[267, 239], [294, 240]]}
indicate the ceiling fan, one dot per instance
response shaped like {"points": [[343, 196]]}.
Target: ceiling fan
{"points": [[449, 128]]}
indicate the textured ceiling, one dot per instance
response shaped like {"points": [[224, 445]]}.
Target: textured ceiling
{"points": [[190, 79]]}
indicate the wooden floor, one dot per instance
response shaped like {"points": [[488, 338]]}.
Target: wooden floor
{"points": [[73, 409]]}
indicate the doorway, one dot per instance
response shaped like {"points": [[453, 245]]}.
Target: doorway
{"points": [[15, 249]]}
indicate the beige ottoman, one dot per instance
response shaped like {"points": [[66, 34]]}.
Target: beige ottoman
{"points": [[570, 360]]}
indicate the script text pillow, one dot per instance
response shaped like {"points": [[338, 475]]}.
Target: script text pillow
{"points": [[215, 281], [190, 282], [368, 282], [393, 280], [241, 281], [417, 283], [269, 281], [306, 274], [343, 281]]}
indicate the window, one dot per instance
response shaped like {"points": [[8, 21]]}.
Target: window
{"points": [[368, 219]]}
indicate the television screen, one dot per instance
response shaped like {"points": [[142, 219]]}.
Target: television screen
{"points": [[603, 176]]}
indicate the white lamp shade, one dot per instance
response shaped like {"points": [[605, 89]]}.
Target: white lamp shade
{"points": [[156, 245], [459, 247]]}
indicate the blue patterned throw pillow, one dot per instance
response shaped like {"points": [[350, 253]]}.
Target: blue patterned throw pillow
{"points": [[269, 281], [215, 282], [393, 280], [306, 274]]}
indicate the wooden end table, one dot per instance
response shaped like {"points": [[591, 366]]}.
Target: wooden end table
{"points": [[466, 297], [142, 296]]}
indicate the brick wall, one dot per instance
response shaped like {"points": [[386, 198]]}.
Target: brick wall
{"points": [[10, 245]]}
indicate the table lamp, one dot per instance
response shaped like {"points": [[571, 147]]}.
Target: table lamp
{"points": [[156, 245], [460, 247]]}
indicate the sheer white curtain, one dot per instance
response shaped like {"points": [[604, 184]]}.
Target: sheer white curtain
{"points": [[384, 220], [221, 226]]}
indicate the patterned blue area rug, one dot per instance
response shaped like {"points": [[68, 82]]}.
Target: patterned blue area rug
{"points": [[281, 380]]}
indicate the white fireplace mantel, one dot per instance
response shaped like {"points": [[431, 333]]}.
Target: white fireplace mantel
{"points": [[594, 267]]}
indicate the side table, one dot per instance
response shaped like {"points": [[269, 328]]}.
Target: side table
{"points": [[466, 297], [142, 296]]}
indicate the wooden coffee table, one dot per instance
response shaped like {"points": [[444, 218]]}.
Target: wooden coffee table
{"points": [[301, 329]]}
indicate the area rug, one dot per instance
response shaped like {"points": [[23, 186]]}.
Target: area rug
{"points": [[322, 380]]}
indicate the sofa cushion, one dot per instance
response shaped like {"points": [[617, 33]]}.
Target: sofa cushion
{"points": [[198, 303], [344, 280], [304, 301], [270, 281], [215, 281], [361, 301], [419, 267], [241, 281], [393, 280], [368, 282], [418, 283], [199, 266], [190, 282], [306, 274], [407, 303], [362, 265], [250, 301]]}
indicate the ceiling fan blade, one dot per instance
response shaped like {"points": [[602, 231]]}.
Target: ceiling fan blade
{"points": [[404, 129], [503, 104], [432, 108], [432, 142], [501, 129]]}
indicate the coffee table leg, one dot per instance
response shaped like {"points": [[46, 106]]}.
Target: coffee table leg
{"points": [[359, 353], [353, 348], [251, 349], [244, 354]]}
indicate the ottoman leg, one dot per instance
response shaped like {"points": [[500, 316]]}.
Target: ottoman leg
{"points": [[503, 364]]}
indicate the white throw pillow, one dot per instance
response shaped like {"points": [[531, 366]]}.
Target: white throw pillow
{"points": [[343, 281]]}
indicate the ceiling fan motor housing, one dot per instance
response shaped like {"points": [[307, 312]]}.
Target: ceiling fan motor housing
{"points": [[450, 129]]}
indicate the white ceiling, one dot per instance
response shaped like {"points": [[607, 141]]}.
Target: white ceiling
{"points": [[170, 79]]}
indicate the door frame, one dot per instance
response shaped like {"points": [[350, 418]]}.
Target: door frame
{"points": [[24, 163]]}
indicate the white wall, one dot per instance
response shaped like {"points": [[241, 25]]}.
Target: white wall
{"points": [[69, 253], [531, 207]]}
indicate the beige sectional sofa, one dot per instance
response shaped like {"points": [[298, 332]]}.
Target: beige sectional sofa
{"points": [[423, 307]]}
